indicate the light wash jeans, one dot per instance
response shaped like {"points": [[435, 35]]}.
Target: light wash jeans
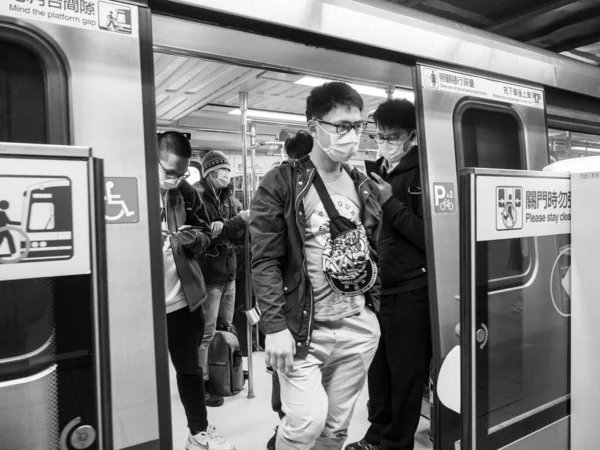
{"points": [[319, 395], [220, 304]]}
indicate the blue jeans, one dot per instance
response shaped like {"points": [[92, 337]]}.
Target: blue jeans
{"points": [[220, 304]]}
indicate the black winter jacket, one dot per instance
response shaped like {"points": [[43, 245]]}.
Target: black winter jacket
{"points": [[219, 263], [277, 230], [401, 244]]}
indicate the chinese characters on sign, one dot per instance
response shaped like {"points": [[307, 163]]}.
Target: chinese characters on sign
{"points": [[511, 91], [547, 199], [514, 207], [97, 15], [457, 80], [538, 203], [85, 6], [445, 80]]}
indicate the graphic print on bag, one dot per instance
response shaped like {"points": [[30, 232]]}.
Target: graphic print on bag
{"points": [[347, 262], [329, 304]]}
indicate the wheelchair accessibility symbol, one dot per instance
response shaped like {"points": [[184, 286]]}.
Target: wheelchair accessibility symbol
{"points": [[121, 200]]}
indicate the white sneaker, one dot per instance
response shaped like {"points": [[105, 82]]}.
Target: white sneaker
{"points": [[208, 440]]}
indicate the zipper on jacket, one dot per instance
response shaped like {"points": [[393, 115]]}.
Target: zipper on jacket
{"points": [[310, 318]]}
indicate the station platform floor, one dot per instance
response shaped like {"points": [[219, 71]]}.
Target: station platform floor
{"points": [[249, 423]]}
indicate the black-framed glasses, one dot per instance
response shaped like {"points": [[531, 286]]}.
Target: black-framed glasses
{"points": [[345, 127], [172, 175], [393, 139]]}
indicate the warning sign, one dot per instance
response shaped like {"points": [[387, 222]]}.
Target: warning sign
{"points": [[445, 80], [509, 211], [513, 207], [44, 218], [98, 15], [121, 200]]}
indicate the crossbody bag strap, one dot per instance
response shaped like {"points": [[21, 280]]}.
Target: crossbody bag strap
{"points": [[332, 211]]}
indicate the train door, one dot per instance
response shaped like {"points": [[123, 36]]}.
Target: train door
{"points": [[75, 73], [520, 389], [201, 80]]}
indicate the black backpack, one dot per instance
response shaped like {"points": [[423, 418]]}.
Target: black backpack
{"points": [[225, 364]]}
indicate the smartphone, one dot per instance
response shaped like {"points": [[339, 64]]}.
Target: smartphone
{"points": [[370, 168]]}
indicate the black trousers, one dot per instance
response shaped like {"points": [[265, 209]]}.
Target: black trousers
{"points": [[184, 334], [398, 371]]}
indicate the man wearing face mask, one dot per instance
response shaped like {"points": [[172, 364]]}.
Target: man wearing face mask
{"points": [[219, 262], [321, 331], [400, 366], [184, 235]]}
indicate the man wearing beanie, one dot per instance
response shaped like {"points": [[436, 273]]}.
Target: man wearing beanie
{"points": [[218, 263]]}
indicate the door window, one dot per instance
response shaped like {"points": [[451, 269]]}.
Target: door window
{"points": [[489, 136], [22, 96]]}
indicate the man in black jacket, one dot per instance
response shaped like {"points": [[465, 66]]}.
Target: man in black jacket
{"points": [[321, 331], [400, 365]]}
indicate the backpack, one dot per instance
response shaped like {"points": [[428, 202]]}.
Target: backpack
{"points": [[225, 366]]}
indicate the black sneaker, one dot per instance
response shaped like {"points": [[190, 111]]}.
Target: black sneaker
{"points": [[212, 399], [363, 445], [271, 443]]}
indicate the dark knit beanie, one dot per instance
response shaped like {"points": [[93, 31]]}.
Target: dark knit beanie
{"points": [[214, 160]]}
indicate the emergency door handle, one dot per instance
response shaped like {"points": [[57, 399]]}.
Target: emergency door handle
{"points": [[482, 336]]}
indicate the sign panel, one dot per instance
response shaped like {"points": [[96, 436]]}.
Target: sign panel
{"points": [[444, 198], [96, 15], [121, 200], [44, 218], [514, 207], [450, 81]]}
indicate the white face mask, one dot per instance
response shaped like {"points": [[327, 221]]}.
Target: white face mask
{"points": [[223, 179], [394, 152], [167, 183], [341, 148], [219, 183]]}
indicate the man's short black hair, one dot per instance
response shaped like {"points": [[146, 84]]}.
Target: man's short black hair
{"points": [[299, 145], [396, 113], [324, 98], [174, 142]]}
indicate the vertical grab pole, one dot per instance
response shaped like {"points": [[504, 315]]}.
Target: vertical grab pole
{"points": [[252, 159], [253, 169], [244, 109]]}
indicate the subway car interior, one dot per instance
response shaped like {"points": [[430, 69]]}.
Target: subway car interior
{"points": [[86, 86]]}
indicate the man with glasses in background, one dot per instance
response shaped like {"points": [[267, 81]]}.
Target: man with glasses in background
{"points": [[321, 330], [185, 235], [400, 366]]}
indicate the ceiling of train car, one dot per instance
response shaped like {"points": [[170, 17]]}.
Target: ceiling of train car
{"points": [[203, 96], [570, 27]]}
